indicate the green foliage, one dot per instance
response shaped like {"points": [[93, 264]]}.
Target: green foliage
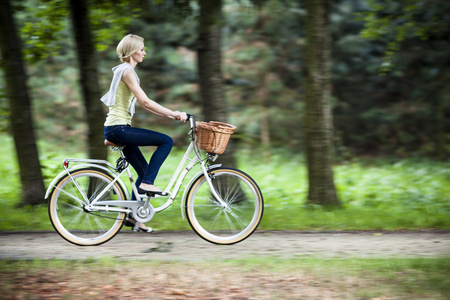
{"points": [[262, 64], [44, 28], [387, 114], [377, 194], [262, 68], [262, 58], [4, 112], [46, 25], [395, 21], [110, 20]]}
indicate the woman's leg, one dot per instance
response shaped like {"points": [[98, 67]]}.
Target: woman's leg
{"points": [[133, 137], [116, 134], [165, 144], [139, 163], [119, 135]]}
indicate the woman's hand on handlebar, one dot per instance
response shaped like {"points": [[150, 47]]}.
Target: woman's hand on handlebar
{"points": [[182, 116]]}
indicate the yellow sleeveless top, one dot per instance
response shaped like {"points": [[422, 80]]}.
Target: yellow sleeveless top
{"points": [[119, 114]]}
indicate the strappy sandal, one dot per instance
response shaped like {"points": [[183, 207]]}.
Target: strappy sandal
{"points": [[135, 228]]}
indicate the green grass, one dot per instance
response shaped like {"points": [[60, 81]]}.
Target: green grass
{"points": [[268, 278], [377, 194]]}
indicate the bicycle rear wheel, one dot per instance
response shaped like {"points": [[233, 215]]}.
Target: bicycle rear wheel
{"points": [[66, 208], [233, 224]]}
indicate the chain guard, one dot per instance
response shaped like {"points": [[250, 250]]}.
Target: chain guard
{"points": [[141, 215]]}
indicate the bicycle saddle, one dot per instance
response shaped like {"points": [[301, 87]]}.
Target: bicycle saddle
{"points": [[109, 143]]}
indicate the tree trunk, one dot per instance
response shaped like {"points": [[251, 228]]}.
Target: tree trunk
{"points": [[439, 114], [209, 68], [33, 189], [88, 78], [319, 126], [263, 95], [440, 124]]}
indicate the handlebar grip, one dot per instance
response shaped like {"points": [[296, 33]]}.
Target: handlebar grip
{"points": [[191, 119]]}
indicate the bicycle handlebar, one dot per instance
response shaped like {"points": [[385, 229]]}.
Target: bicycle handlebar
{"points": [[191, 118]]}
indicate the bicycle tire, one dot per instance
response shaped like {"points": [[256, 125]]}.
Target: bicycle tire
{"points": [[215, 224], [71, 221]]}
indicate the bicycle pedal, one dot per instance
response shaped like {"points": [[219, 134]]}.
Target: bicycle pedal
{"points": [[151, 193]]}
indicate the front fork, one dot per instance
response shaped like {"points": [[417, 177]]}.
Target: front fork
{"points": [[209, 177]]}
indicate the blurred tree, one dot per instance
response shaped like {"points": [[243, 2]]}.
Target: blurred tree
{"points": [[396, 23], [210, 67], [90, 30], [87, 62], [33, 189], [262, 58], [262, 55], [210, 60], [319, 124], [262, 70]]}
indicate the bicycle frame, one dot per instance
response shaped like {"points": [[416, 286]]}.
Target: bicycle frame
{"points": [[131, 206]]}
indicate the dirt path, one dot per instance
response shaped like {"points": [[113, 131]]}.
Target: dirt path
{"points": [[186, 246]]}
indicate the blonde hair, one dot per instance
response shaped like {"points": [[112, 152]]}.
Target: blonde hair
{"points": [[128, 46]]}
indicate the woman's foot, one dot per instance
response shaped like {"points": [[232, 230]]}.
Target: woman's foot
{"points": [[149, 188], [141, 227], [146, 229]]}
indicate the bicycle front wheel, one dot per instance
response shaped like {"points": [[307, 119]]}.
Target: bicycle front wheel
{"points": [[72, 221], [229, 225]]}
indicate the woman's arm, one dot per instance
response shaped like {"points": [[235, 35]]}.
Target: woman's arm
{"points": [[130, 79]]}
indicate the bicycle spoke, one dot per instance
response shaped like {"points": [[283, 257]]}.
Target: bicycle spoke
{"points": [[76, 220], [73, 206], [71, 195], [238, 219], [231, 224], [231, 189], [216, 219], [99, 224]]}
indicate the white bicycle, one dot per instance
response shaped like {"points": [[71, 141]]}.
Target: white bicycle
{"points": [[88, 202]]}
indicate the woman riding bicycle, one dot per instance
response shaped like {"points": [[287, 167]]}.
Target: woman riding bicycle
{"points": [[121, 99]]}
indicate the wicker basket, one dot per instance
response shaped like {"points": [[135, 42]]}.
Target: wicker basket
{"points": [[213, 136]]}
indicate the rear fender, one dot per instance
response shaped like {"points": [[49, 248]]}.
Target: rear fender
{"points": [[52, 185]]}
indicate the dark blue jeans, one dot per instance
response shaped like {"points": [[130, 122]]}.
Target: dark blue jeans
{"points": [[133, 137]]}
